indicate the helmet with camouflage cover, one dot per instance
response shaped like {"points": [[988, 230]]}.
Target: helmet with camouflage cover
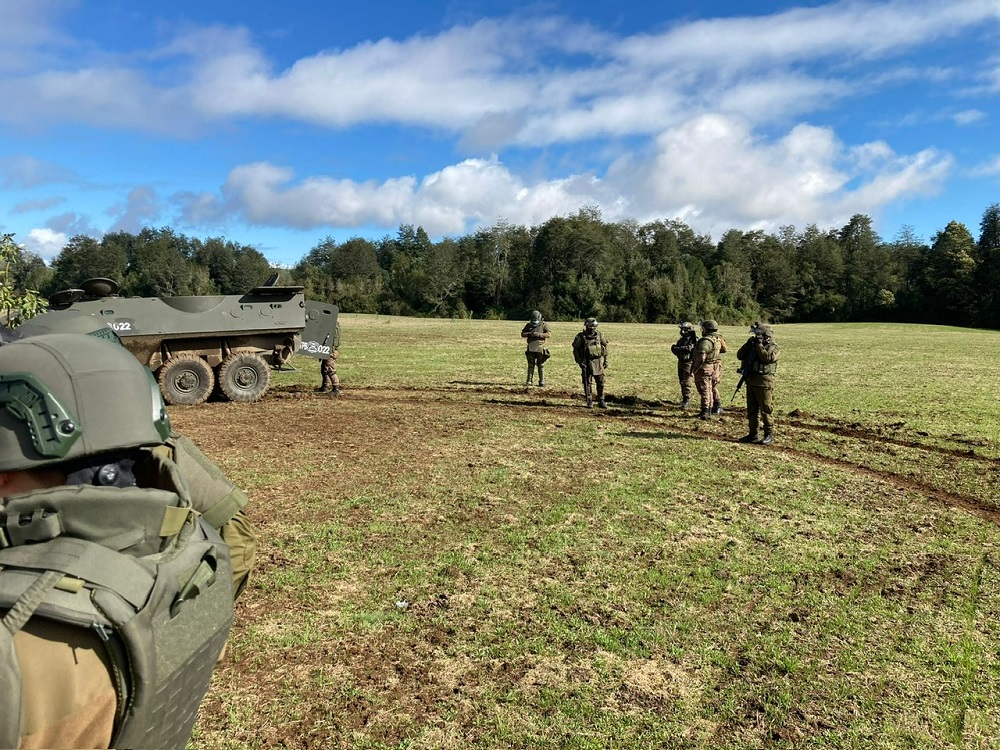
{"points": [[66, 321], [66, 396], [709, 326], [763, 329]]}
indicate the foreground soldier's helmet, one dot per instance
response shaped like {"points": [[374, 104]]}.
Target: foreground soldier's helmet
{"points": [[536, 317], [590, 323], [709, 326], [686, 327], [763, 329], [66, 321], [65, 396]]}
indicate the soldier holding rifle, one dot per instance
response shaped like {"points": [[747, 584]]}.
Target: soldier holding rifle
{"points": [[759, 358], [684, 351]]}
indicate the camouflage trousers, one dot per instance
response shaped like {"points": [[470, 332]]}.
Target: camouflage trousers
{"points": [[238, 532], [685, 377], [707, 380], [760, 406], [328, 369]]}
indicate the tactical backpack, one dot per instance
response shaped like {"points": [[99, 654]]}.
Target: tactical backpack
{"points": [[141, 569]]}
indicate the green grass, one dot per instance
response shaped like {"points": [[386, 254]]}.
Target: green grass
{"points": [[449, 560]]}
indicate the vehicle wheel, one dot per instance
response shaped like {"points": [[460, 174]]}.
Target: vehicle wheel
{"points": [[244, 376], [186, 380]]}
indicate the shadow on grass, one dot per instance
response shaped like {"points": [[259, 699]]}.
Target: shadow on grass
{"points": [[661, 435]]}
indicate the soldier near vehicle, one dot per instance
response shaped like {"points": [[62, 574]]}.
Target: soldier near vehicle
{"points": [[706, 365], [328, 366], [536, 331], [590, 350], [759, 357], [684, 351], [217, 499], [115, 595]]}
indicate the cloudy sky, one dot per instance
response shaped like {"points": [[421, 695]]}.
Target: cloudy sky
{"points": [[278, 124]]}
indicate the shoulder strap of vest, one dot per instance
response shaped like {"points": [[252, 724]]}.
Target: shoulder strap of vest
{"points": [[10, 672], [10, 689]]}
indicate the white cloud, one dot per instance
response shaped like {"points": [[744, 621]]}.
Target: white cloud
{"points": [[711, 171], [450, 201], [45, 243], [989, 168], [140, 209], [42, 204], [20, 172], [968, 117], [504, 81]]}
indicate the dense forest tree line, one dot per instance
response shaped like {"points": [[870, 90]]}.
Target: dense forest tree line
{"points": [[571, 267]]}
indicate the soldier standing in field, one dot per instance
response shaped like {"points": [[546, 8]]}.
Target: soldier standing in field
{"points": [[707, 368], [590, 350], [759, 357], [684, 351], [328, 367], [536, 331]]}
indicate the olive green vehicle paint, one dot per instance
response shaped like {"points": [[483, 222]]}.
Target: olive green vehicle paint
{"points": [[195, 344]]}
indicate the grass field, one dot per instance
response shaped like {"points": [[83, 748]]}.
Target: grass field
{"points": [[451, 560]]}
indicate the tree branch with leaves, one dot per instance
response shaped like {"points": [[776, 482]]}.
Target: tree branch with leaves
{"points": [[16, 304]]}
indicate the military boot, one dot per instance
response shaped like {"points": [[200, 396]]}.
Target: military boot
{"points": [[767, 439], [541, 377], [752, 437], [685, 403], [717, 409], [326, 384], [531, 375], [704, 414], [600, 397]]}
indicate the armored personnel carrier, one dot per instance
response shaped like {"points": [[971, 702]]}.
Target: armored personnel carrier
{"points": [[194, 345]]}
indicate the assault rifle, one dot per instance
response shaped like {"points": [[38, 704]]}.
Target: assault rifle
{"points": [[745, 368]]}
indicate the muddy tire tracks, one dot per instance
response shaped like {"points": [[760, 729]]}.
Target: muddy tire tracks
{"points": [[659, 414]]}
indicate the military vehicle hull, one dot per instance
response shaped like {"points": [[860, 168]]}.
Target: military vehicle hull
{"points": [[198, 345]]}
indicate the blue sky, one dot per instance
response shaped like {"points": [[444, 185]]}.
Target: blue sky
{"points": [[279, 124]]}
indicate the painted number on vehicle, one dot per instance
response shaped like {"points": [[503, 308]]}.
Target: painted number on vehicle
{"points": [[314, 347], [122, 326]]}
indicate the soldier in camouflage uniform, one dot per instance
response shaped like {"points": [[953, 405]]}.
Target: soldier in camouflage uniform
{"points": [[590, 350], [328, 367], [219, 501], [536, 331], [78, 421], [759, 357], [684, 351], [707, 367]]}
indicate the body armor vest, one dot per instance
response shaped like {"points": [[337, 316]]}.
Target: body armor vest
{"points": [[141, 569]]}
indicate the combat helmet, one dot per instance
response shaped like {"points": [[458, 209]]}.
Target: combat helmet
{"points": [[590, 324], [709, 326], [686, 327], [65, 396], [536, 317]]}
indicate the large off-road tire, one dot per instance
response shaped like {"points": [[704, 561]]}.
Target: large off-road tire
{"points": [[244, 376], [186, 379]]}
